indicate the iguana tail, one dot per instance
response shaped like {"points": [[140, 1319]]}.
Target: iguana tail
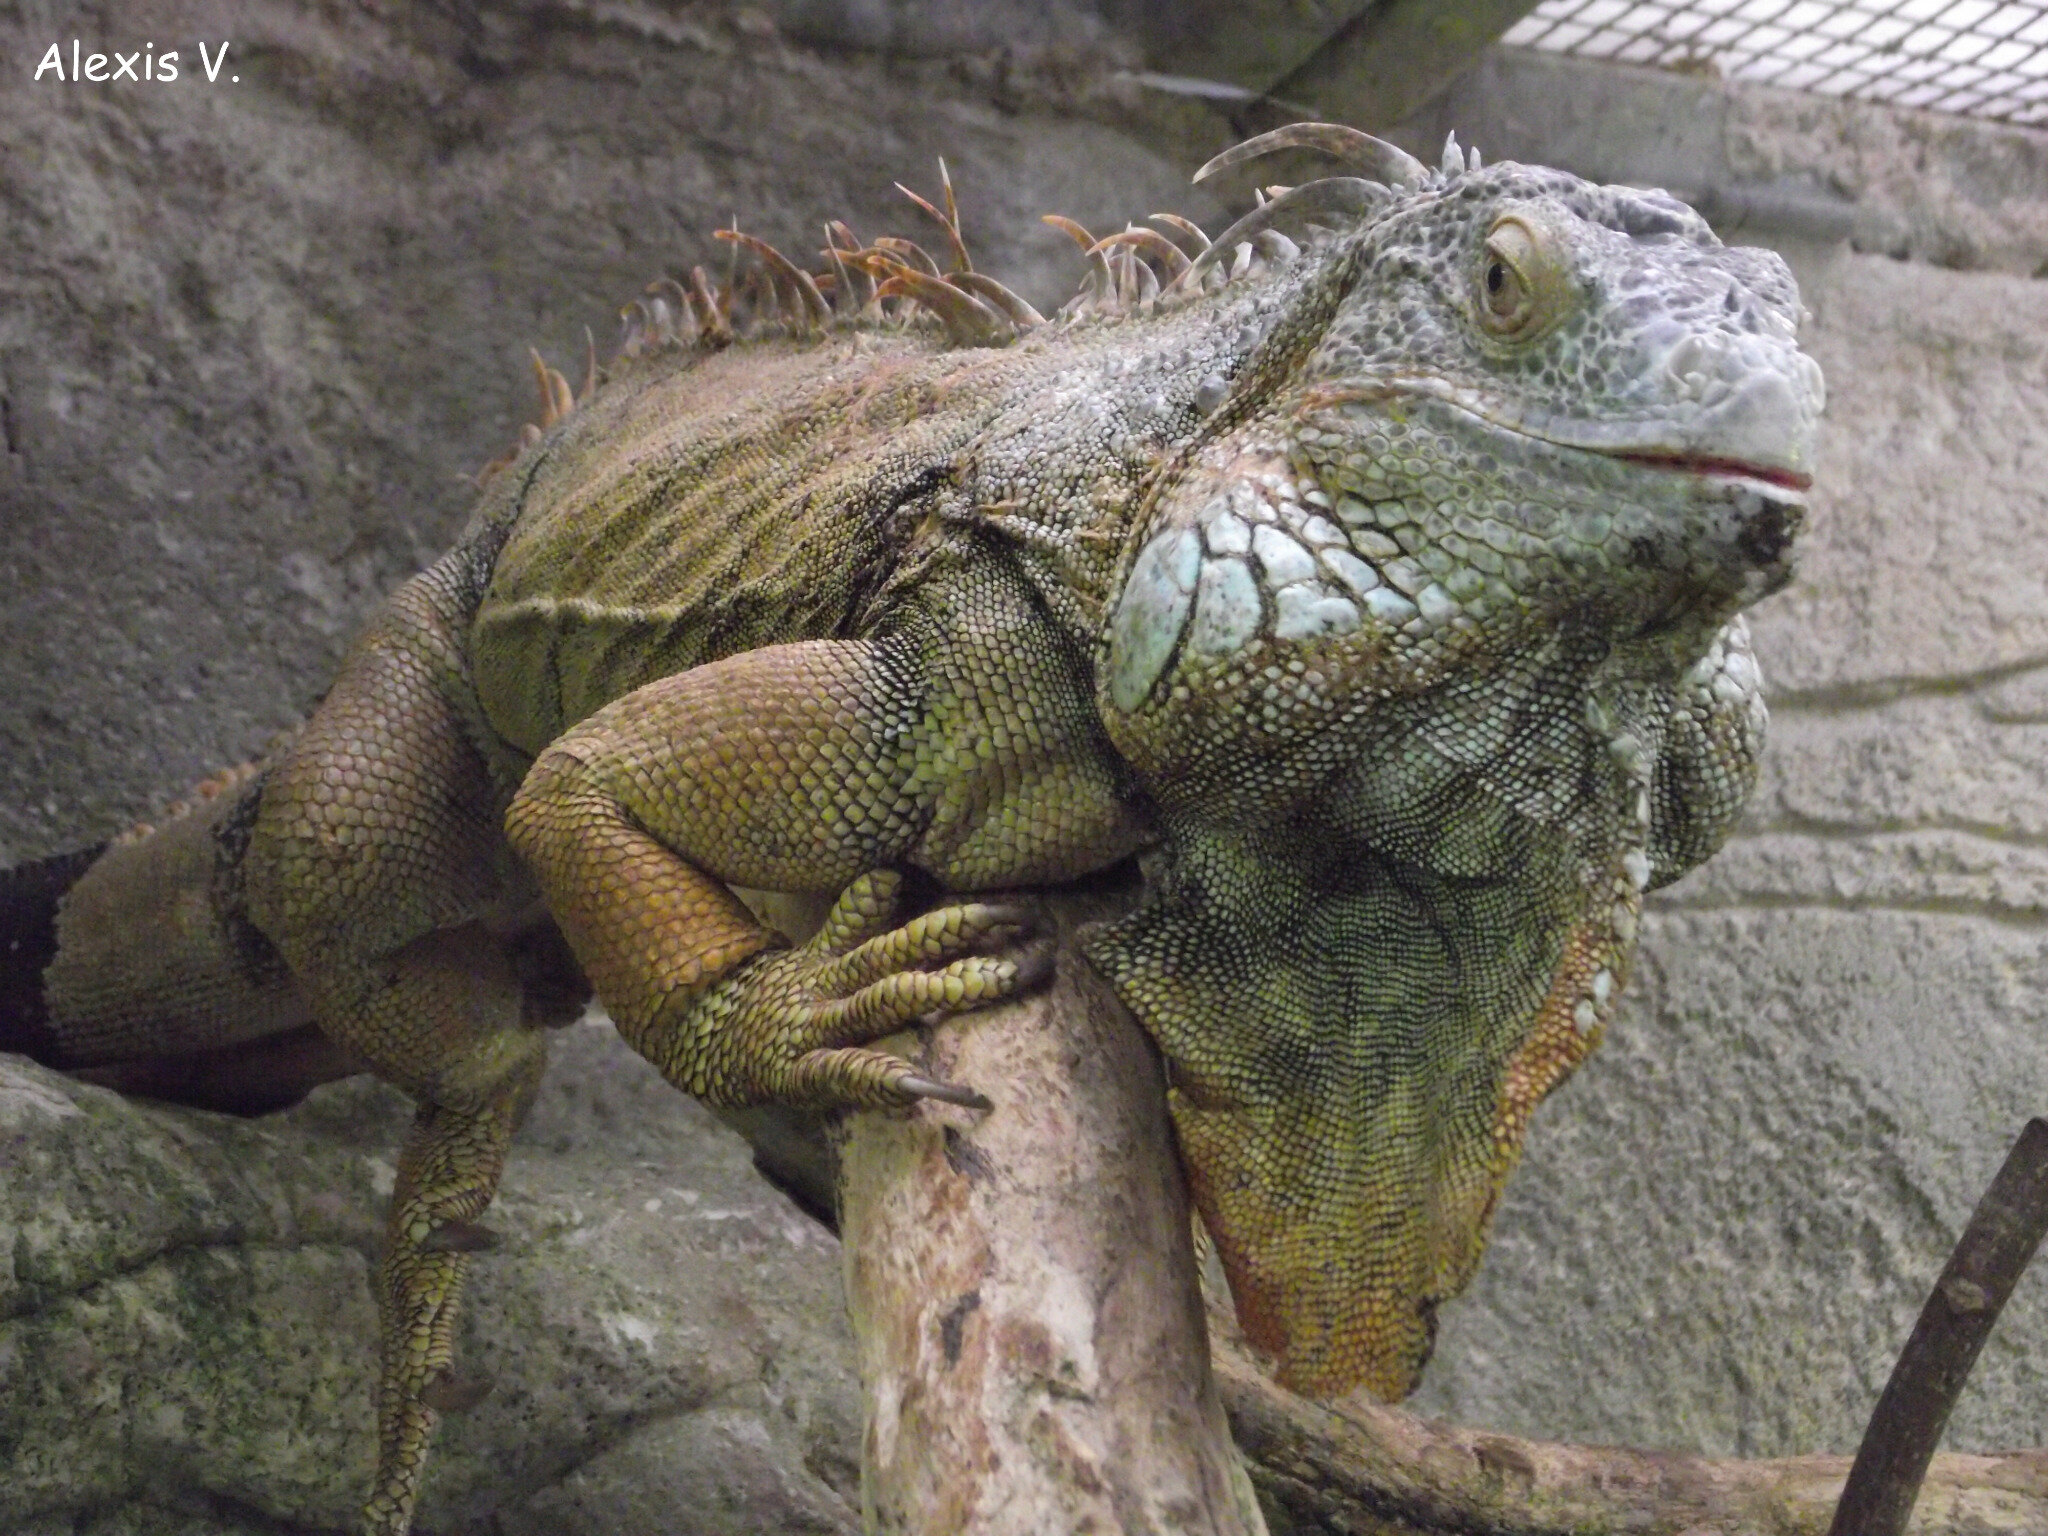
{"points": [[29, 897], [134, 965]]}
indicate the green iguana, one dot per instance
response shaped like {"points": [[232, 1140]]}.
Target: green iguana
{"points": [[1372, 574]]}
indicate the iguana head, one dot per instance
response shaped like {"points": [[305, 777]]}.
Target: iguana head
{"points": [[1510, 393], [1585, 374], [1429, 652]]}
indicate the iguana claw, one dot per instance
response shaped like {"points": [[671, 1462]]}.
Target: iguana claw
{"points": [[455, 1391], [459, 1236], [795, 1025], [945, 1093]]}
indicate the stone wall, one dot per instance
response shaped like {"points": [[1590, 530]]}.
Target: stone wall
{"points": [[254, 335]]}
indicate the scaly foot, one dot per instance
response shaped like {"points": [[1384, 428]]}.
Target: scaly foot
{"points": [[790, 1025]]}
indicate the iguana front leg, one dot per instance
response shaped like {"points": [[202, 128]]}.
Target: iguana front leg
{"points": [[797, 767]]}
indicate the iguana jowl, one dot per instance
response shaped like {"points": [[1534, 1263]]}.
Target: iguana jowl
{"points": [[1373, 574]]}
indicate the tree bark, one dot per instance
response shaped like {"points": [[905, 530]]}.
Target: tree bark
{"points": [[1905, 1427], [1035, 1355], [1026, 1307], [1368, 1468]]}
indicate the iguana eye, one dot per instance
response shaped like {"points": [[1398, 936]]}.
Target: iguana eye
{"points": [[1515, 279]]}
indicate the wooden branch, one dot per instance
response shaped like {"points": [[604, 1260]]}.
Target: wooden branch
{"points": [[1034, 1357], [1023, 1288], [1906, 1425], [1372, 1468]]}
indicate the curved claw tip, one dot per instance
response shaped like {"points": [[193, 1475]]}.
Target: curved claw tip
{"points": [[1035, 966], [945, 1093], [459, 1236], [454, 1392]]}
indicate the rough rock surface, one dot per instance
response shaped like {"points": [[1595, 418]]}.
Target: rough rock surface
{"points": [[187, 1337], [250, 337], [254, 335]]}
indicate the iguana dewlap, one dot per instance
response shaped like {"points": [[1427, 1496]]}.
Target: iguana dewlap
{"points": [[1373, 574]]}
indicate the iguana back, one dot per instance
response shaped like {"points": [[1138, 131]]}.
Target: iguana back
{"points": [[706, 504]]}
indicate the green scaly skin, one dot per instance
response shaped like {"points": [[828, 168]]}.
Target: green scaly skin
{"points": [[1377, 586]]}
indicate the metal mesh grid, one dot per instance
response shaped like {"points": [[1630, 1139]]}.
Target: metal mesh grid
{"points": [[1975, 57]]}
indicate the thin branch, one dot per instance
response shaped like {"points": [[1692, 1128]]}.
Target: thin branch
{"points": [[1906, 1425], [1335, 1470]]}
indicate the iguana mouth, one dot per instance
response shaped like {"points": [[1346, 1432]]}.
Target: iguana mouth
{"points": [[1723, 469], [1779, 477], [1608, 441]]}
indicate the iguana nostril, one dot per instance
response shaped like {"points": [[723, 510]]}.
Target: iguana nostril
{"points": [[1687, 362]]}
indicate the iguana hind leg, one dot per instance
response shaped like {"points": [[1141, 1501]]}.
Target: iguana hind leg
{"points": [[374, 860], [447, 1176]]}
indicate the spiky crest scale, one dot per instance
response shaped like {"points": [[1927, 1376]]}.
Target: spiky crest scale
{"points": [[202, 794], [893, 282]]}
